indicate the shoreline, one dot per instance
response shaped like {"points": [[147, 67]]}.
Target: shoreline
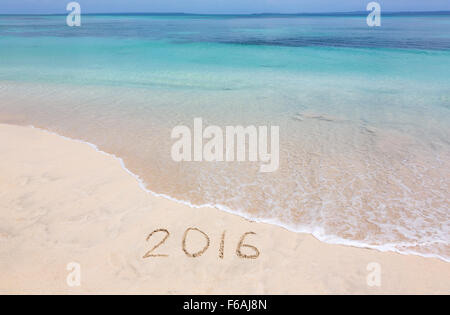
{"points": [[279, 256], [326, 239]]}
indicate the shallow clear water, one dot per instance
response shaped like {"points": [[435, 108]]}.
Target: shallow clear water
{"points": [[363, 113]]}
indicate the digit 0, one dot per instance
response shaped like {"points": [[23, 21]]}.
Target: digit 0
{"points": [[200, 252]]}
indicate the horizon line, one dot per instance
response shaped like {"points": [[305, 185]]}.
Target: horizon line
{"points": [[238, 14]]}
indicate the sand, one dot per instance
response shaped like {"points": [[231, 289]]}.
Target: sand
{"points": [[62, 203]]}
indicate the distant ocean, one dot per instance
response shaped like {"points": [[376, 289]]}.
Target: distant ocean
{"points": [[364, 113]]}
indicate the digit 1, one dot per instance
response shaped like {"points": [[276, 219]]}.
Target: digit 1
{"points": [[222, 245]]}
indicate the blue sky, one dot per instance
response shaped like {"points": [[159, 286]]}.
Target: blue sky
{"points": [[218, 6]]}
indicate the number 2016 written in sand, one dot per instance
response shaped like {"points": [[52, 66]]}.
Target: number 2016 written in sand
{"points": [[160, 236]]}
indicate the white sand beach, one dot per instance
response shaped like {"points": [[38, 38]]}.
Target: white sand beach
{"points": [[63, 202]]}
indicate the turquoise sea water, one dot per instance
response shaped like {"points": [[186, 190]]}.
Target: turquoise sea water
{"points": [[364, 113]]}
